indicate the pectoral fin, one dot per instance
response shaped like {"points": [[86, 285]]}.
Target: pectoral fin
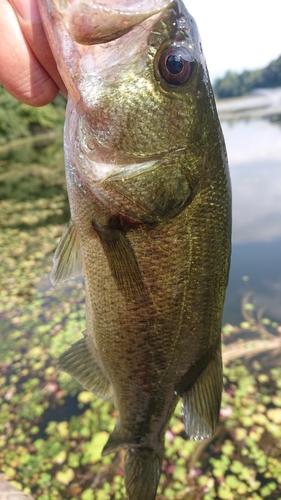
{"points": [[122, 261], [67, 258], [81, 364], [201, 403]]}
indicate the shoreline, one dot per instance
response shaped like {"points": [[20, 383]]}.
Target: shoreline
{"points": [[261, 103]]}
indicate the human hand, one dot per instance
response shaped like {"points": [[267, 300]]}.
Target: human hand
{"points": [[27, 68]]}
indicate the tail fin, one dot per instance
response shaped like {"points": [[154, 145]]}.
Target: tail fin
{"points": [[142, 473]]}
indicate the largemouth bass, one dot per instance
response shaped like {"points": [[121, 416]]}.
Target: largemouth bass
{"points": [[149, 193]]}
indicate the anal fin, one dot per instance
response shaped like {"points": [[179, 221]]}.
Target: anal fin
{"points": [[81, 364], [67, 262], [201, 403], [117, 439], [122, 261]]}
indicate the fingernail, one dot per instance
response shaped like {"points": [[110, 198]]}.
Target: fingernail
{"points": [[27, 9]]}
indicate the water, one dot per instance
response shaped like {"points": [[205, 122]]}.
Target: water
{"points": [[254, 150]]}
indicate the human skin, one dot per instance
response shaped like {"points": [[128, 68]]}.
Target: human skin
{"points": [[27, 68]]}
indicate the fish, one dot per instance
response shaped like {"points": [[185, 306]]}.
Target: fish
{"points": [[150, 229]]}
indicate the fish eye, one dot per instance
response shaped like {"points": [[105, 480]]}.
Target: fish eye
{"points": [[175, 65]]}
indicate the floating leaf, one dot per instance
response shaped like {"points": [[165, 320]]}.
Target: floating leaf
{"points": [[60, 457], [249, 307], [232, 481], [228, 448], [274, 414], [236, 467], [240, 433], [63, 429], [276, 400], [65, 477], [88, 494], [94, 448], [85, 397]]}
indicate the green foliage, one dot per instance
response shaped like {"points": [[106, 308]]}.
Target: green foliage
{"points": [[37, 120], [20, 120], [33, 193], [234, 84]]}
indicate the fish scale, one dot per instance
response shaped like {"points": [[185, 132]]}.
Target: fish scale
{"points": [[149, 194]]}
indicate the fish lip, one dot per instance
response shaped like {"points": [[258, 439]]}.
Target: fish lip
{"points": [[100, 21]]}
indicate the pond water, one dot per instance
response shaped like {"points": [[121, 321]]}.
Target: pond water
{"points": [[254, 150], [51, 431]]}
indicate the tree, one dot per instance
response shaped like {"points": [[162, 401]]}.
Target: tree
{"points": [[234, 84]]}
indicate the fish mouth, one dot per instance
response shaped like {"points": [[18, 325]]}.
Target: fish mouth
{"points": [[92, 22]]}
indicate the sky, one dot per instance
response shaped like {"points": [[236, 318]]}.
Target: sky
{"points": [[237, 35]]}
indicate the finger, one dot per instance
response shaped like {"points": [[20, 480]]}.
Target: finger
{"points": [[20, 72], [32, 28]]}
